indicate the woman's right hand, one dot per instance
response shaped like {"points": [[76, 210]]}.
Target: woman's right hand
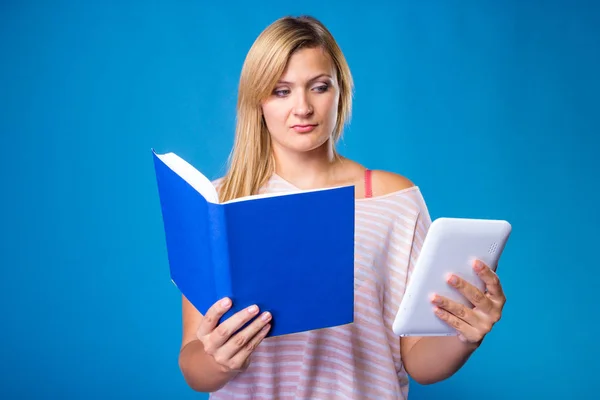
{"points": [[229, 348]]}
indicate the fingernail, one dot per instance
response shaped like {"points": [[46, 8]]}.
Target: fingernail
{"points": [[266, 316], [225, 303], [437, 300], [453, 280], [252, 309], [438, 311], [478, 265]]}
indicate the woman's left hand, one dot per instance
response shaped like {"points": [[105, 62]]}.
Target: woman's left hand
{"points": [[474, 323]]}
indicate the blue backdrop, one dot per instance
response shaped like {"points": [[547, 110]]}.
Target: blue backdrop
{"points": [[491, 107]]}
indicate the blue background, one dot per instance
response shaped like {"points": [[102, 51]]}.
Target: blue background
{"points": [[490, 107]]}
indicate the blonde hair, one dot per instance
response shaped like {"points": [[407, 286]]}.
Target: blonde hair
{"points": [[251, 162]]}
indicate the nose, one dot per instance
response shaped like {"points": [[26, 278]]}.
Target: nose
{"points": [[303, 107]]}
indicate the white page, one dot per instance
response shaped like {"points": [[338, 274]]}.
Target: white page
{"points": [[278, 194], [205, 187], [191, 175]]}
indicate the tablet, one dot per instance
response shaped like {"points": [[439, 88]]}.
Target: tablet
{"points": [[450, 246]]}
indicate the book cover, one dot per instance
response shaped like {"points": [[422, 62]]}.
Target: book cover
{"points": [[290, 253]]}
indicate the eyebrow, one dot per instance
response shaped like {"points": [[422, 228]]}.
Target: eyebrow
{"points": [[310, 80]]}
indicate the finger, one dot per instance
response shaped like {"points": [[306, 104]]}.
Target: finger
{"points": [[213, 315], [456, 309], [241, 338], [227, 328], [470, 333], [474, 295], [489, 277], [239, 361]]}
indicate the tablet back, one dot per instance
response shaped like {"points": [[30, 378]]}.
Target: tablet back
{"points": [[450, 246]]}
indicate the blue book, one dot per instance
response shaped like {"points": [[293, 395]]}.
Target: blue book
{"points": [[290, 253]]}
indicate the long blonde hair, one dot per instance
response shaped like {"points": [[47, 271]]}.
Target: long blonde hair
{"points": [[251, 162]]}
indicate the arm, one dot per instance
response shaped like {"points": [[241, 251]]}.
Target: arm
{"points": [[210, 356], [432, 359]]}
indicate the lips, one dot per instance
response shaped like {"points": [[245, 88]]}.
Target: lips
{"points": [[303, 128]]}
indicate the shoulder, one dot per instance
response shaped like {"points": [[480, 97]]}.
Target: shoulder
{"points": [[382, 182], [386, 182], [403, 189], [413, 204]]}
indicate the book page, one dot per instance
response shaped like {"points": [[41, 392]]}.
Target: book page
{"points": [[276, 194], [191, 175]]}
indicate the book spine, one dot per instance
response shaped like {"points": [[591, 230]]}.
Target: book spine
{"points": [[220, 250]]}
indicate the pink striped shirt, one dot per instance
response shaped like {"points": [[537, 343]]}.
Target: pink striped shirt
{"points": [[360, 360]]}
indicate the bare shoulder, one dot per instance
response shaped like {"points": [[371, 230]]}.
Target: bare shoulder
{"points": [[386, 182]]}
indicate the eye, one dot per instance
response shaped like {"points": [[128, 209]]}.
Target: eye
{"points": [[322, 88], [281, 92]]}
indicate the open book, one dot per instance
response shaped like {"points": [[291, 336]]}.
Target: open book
{"points": [[290, 253]]}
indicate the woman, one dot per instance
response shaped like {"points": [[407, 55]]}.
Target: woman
{"points": [[294, 100]]}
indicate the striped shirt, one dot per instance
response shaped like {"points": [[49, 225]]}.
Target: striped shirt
{"points": [[360, 360]]}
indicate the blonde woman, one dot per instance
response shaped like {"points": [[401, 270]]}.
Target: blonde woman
{"points": [[294, 99]]}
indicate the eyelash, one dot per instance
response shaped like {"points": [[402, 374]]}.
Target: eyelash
{"points": [[320, 89]]}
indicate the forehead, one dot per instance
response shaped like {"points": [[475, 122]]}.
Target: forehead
{"points": [[308, 62]]}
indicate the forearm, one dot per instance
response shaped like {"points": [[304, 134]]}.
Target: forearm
{"points": [[200, 370], [433, 359]]}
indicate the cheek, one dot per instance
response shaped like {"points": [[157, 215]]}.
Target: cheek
{"points": [[274, 115], [331, 109]]}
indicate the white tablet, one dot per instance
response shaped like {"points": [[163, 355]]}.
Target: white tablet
{"points": [[450, 246]]}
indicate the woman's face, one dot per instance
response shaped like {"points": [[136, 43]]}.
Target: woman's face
{"points": [[301, 112]]}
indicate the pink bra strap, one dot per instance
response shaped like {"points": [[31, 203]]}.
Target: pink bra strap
{"points": [[368, 185]]}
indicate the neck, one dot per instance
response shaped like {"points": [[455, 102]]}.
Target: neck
{"points": [[309, 170]]}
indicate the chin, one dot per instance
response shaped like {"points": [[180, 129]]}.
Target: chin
{"points": [[303, 143]]}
